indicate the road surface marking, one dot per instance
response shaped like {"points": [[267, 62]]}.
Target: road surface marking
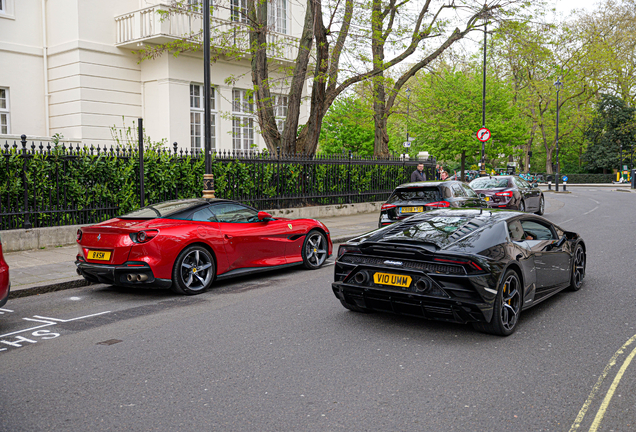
{"points": [[594, 200], [599, 382], [610, 392], [595, 208], [5, 310]]}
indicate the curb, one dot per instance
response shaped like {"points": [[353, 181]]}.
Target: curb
{"points": [[76, 283]]}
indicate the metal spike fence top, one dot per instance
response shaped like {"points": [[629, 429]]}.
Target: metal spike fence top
{"points": [[71, 184]]}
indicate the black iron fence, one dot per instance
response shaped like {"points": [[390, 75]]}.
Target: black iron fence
{"points": [[42, 186]]}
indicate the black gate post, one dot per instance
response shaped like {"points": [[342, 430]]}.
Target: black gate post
{"points": [[140, 130], [278, 177], [349, 179], [27, 223]]}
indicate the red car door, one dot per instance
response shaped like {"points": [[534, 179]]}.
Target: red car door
{"points": [[248, 241]]}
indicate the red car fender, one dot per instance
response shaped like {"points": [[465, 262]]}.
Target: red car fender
{"points": [[162, 251], [301, 227]]}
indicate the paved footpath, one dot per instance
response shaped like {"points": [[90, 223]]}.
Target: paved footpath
{"points": [[52, 269]]}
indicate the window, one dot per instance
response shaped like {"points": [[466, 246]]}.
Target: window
{"points": [[242, 120], [238, 10], [197, 115], [2, 6], [458, 191], [536, 230], [280, 110], [469, 192], [203, 215], [4, 110], [278, 16], [234, 213]]}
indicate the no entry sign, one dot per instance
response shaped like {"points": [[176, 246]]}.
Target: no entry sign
{"points": [[483, 134]]}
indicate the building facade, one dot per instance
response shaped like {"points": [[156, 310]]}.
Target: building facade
{"points": [[70, 67]]}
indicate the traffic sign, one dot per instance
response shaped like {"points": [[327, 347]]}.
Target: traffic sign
{"points": [[565, 178], [483, 134], [407, 143]]}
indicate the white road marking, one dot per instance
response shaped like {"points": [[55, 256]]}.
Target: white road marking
{"points": [[46, 322], [72, 319], [75, 298], [594, 200], [5, 310], [565, 221], [595, 208]]}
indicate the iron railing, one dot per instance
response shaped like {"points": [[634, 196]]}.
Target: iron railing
{"points": [[43, 186]]}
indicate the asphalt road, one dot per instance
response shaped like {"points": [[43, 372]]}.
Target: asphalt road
{"points": [[278, 352]]}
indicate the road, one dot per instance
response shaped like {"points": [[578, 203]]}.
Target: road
{"points": [[277, 352]]}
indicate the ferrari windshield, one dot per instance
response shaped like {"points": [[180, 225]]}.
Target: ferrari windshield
{"points": [[161, 209], [489, 183]]}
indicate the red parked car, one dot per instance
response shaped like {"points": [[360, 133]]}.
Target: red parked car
{"points": [[5, 286], [187, 244]]}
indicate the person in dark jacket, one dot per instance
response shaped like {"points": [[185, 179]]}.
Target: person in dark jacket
{"points": [[418, 175]]}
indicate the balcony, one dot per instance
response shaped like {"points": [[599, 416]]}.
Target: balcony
{"points": [[148, 26]]}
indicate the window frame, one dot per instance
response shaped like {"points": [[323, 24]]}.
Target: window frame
{"points": [[238, 11], [243, 137], [277, 16], [6, 112], [213, 207], [199, 112]]}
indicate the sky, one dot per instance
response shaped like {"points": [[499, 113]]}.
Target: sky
{"points": [[565, 6]]}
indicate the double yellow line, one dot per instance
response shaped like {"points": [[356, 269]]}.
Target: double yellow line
{"points": [[610, 393]]}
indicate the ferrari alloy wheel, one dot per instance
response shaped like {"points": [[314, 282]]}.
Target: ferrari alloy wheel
{"points": [[193, 271], [314, 250], [541, 206], [578, 269], [507, 307], [522, 206]]}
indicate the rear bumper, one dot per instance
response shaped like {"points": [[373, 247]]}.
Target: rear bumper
{"points": [[120, 274], [413, 304]]}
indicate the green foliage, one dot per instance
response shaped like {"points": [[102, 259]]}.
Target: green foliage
{"points": [[613, 129], [348, 125]]}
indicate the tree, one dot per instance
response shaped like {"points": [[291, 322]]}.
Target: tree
{"points": [[327, 35], [346, 127], [611, 135], [447, 109]]}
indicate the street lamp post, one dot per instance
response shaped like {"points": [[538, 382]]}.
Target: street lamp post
{"points": [[408, 116], [559, 85], [482, 165], [208, 178]]}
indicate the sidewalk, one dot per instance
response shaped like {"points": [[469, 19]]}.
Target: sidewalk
{"points": [[53, 269]]}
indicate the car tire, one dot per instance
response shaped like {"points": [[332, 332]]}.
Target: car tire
{"points": [[193, 271], [506, 309], [354, 308], [522, 206], [541, 206], [578, 269], [315, 250]]}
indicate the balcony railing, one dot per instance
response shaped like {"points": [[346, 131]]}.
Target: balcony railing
{"points": [[147, 25]]}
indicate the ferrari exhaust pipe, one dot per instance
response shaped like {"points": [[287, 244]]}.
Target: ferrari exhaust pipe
{"points": [[142, 277], [131, 277]]}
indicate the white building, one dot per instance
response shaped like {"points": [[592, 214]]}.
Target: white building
{"points": [[68, 68]]}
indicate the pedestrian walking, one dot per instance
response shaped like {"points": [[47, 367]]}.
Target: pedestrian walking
{"points": [[418, 175], [437, 172]]}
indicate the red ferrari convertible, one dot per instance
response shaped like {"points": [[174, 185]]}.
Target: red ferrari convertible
{"points": [[186, 244], [5, 286]]}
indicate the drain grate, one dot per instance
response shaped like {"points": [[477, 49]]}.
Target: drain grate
{"points": [[109, 342]]}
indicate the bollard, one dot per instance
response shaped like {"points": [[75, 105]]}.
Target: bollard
{"points": [[549, 185], [564, 186], [633, 175]]}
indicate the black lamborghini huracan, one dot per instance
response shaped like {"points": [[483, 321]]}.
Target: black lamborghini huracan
{"points": [[477, 266]]}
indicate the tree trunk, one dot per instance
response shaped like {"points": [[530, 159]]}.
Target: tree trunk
{"points": [[381, 139], [288, 140], [548, 161], [257, 11]]}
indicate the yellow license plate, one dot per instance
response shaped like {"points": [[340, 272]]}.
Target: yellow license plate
{"points": [[487, 198], [392, 279], [99, 255], [411, 209]]}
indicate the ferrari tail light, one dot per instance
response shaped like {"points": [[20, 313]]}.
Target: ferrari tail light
{"points": [[387, 206], [437, 204], [144, 236], [506, 193], [79, 234], [343, 249]]}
